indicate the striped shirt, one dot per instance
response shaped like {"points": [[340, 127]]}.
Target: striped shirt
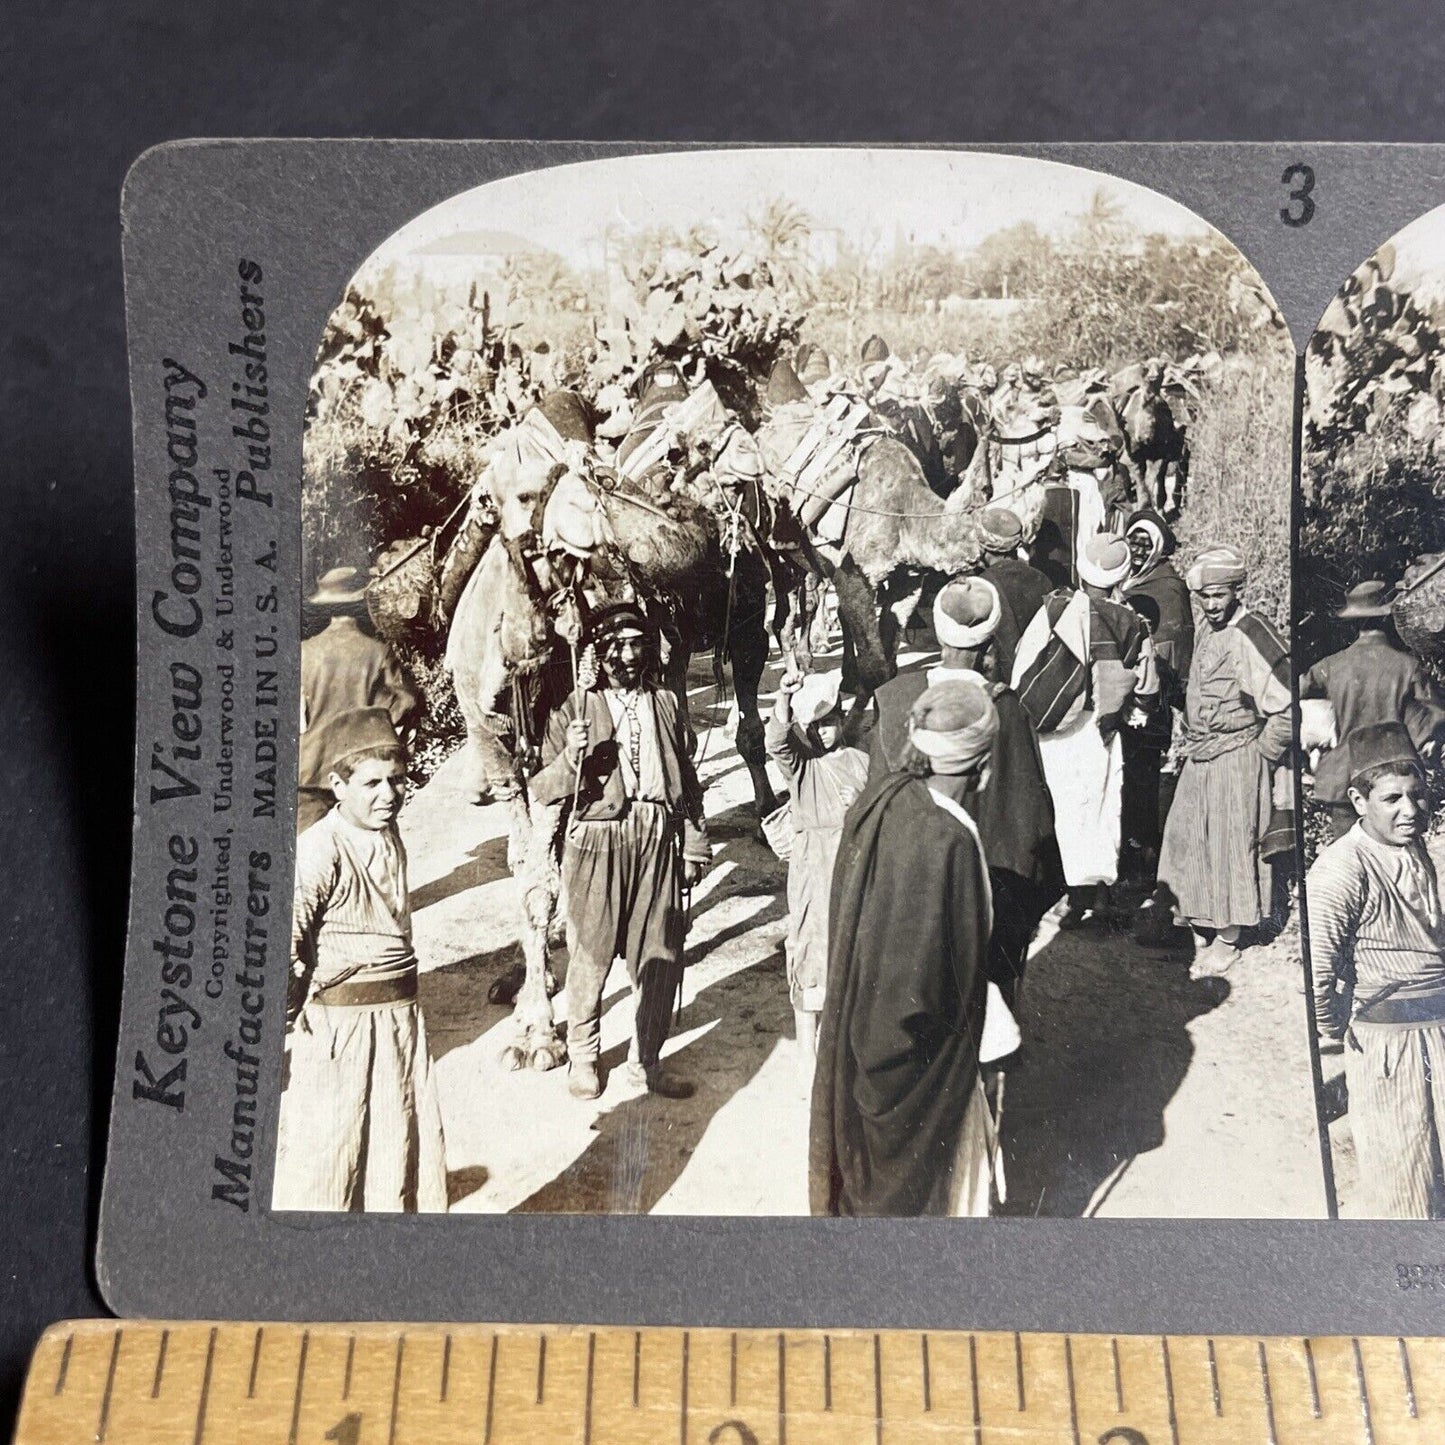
{"points": [[1375, 926], [351, 918]]}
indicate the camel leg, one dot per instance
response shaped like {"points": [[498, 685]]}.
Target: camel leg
{"points": [[1156, 473], [489, 774], [748, 648], [900, 601], [535, 1042], [858, 612], [1179, 493]]}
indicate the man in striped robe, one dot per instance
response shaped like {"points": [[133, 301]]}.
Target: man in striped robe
{"points": [[1376, 941], [1084, 665], [1237, 729]]}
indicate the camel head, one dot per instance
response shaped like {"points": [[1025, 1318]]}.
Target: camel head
{"points": [[573, 521], [518, 479]]}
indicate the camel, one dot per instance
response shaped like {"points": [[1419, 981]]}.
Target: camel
{"points": [[875, 527], [1156, 448]]}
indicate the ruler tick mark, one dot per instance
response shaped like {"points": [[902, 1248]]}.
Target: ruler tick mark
{"points": [[395, 1390], [1409, 1376], [541, 1367], [1268, 1395], [1214, 1381], [1118, 1378], [827, 1372], [973, 1385], [491, 1393], [636, 1369], [682, 1413], [350, 1357], [1364, 1394], [587, 1403], [1314, 1380], [205, 1399], [733, 1369], [782, 1389], [1073, 1397], [64, 1365], [1019, 1367], [927, 1383], [446, 1366], [160, 1364], [1168, 1390], [104, 1422], [296, 1398], [878, 1388], [255, 1361]]}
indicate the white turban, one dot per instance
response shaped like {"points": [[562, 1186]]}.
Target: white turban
{"points": [[978, 601], [1103, 561], [954, 725]]}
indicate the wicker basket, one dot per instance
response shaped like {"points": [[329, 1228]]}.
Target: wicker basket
{"points": [[1419, 609], [402, 596]]}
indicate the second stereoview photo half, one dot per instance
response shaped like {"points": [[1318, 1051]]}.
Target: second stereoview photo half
{"points": [[797, 712], [1370, 645]]}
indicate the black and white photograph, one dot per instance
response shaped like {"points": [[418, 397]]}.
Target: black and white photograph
{"points": [[796, 705], [1371, 636]]}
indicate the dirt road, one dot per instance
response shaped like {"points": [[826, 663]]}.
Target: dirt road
{"points": [[1138, 1090]]}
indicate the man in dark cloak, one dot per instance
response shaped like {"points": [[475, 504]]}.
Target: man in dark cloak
{"points": [[1156, 591], [899, 1122], [1013, 809]]}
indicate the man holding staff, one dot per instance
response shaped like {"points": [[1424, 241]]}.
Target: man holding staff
{"points": [[636, 838]]}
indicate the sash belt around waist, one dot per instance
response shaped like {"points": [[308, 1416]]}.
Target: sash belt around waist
{"points": [[358, 993]]}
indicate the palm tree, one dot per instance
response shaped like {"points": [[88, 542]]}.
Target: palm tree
{"points": [[1100, 226], [781, 236]]}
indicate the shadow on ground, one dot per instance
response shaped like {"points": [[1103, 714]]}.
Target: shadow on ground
{"points": [[643, 1145], [1106, 1046], [486, 863]]}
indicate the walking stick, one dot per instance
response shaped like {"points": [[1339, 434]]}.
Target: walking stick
{"points": [[588, 666]]}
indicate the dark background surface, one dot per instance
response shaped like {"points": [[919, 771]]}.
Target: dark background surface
{"points": [[85, 88]]}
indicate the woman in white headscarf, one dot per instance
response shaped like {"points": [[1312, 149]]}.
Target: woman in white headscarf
{"points": [[1237, 727]]}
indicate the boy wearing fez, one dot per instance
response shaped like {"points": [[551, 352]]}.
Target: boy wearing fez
{"points": [[1373, 680], [361, 1127], [1379, 976], [635, 840]]}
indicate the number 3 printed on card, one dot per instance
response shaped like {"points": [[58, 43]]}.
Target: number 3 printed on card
{"points": [[1301, 209]]}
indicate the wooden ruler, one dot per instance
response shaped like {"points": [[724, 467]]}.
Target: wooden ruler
{"points": [[137, 1383]]}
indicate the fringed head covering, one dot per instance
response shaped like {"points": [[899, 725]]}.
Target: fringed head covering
{"points": [[618, 619], [954, 725], [1217, 566], [966, 612], [1103, 561]]}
